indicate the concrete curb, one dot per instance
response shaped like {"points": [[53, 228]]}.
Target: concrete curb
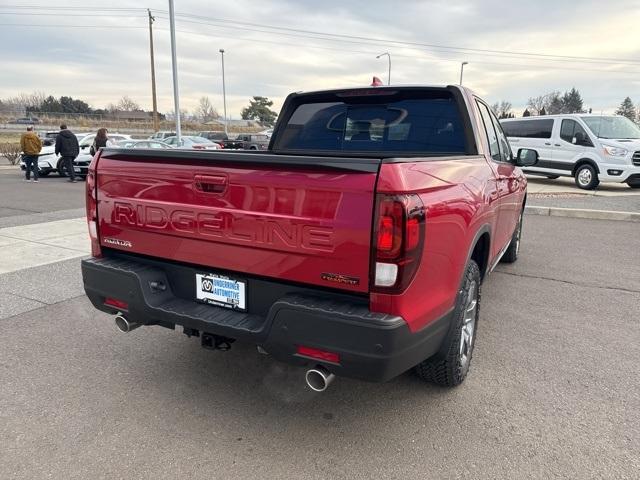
{"points": [[583, 213], [9, 167]]}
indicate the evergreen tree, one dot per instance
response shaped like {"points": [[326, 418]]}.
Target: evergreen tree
{"points": [[527, 113], [627, 109], [572, 102], [258, 109]]}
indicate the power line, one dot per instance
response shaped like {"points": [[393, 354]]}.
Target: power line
{"points": [[465, 50], [414, 57], [64, 26]]}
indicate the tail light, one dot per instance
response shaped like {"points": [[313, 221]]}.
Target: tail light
{"points": [[399, 239], [92, 209]]}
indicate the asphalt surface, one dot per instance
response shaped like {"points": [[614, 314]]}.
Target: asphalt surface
{"points": [[50, 195], [553, 390]]}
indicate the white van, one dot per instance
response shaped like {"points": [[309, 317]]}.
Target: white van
{"points": [[590, 148]]}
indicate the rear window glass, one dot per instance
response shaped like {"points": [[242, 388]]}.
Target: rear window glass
{"points": [[528, 128], [385, 123]]}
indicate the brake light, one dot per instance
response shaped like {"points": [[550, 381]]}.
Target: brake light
{"points": [[92, 209], [400, 231]]}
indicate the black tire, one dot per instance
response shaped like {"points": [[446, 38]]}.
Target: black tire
{"points": [[634, 185], [511, 254], [61, 168], [449, 367], [586, 177], [553, 177]]}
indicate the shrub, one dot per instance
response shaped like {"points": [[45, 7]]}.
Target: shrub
{"points": [[11, 151]]}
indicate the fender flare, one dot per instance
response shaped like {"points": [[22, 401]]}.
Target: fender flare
{"points": [[485, 228], [582, 161]]}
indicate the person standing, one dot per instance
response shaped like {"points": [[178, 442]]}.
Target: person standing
{"points": [[100, 141], [67, 147], [31, 146]]}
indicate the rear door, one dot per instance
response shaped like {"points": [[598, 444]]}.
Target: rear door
{"points": [[254, 215], [507, 180]]}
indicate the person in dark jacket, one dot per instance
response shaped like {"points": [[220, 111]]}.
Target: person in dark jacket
{"points": [[67, 147], [100, 141]]}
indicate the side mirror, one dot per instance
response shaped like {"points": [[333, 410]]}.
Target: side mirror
{"points": [[526, 157]]}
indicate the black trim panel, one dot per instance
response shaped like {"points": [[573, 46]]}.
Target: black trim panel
{"points": [[372, 346], [554, 165]]}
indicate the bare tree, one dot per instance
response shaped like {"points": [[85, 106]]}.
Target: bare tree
{"points": [[536, 104], [502, 109], [205, 111], [127, 104]]}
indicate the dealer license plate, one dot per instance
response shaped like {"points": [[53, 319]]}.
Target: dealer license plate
{"points": [[220, 290]]}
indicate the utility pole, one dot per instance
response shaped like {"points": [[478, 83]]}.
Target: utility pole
{"points": [[174, 67], [224, 94], [153, 74], [462, 70], [389, 57]]}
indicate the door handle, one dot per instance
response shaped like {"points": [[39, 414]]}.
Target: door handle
{"points": [[210, 183], [547, 143], [557, 145]]}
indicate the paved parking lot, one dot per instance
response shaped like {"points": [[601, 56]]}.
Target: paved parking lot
{"points": [[553, 390]]}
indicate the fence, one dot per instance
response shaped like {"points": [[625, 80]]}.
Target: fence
{"points": [[9, 121]]}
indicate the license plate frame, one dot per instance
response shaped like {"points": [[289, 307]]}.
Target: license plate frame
{"points": [[222, 291]]}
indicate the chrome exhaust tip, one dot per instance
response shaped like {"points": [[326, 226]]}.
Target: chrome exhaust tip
{"points": [[319, 378], [124, 325]]}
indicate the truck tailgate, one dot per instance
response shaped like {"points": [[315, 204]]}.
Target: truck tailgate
{"points": [[299, 219]]}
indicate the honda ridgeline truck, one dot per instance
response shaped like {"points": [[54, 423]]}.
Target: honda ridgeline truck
{"points": [[355, 246]]}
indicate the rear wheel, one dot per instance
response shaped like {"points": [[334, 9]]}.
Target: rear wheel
{"points": [[511, 254], [450, 366], [634, 185], [586, 177]]}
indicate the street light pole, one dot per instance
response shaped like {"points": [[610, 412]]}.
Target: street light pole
{"points": [[174, 67], [389, 57], [462, 70], [153, 73], [224, 94]]}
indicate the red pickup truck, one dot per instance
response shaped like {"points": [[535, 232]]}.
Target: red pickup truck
{"points": [[355, 246]]}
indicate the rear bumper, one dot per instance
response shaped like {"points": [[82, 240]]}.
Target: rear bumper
{"points": [[372, 346]]}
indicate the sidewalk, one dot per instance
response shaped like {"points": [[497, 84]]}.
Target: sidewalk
{"points": [[29, 246], [627, 203]]}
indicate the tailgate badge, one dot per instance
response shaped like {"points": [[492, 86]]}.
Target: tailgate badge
{"points": [[119, 243], [337, 278]]}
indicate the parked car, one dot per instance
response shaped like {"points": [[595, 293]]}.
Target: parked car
{"points": [[589, 148], [268, 132], [222, 139], [341, 251], [26, 121], [141, 144], [162, 135], [192, 142], [51, 163], [253, 141], [87, 141]]}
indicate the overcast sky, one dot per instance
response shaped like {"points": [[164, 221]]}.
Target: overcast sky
{"points": [[100, 56]]}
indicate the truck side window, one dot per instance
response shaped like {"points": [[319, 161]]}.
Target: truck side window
{"points": [[505, 149], [490, 131]]}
